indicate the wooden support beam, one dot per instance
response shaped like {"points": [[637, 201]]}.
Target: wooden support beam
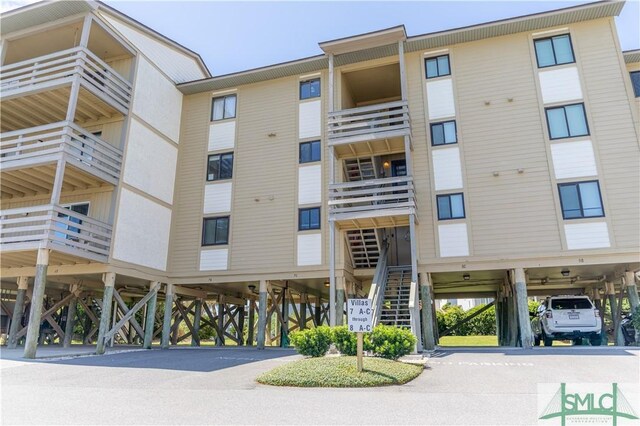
{"points": [[427, 312], [522, 304], [240, 330], [251, 325], [151, 314], [37, 299], [221, 312], [284, 325], [48, 315], [127, 316], [166, 323], [303, 311], [317, 314], [340, 301], [199, 294], [132, 318], [18, 312], [185, 317], [262, 314], [109, 279]]}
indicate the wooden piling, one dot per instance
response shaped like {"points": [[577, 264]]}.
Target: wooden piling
{"points": [[35, 314], [262, 314], [71, 322], [427, 313], [522, 304], [195, 334], [18, 309], [109, 280], [151, 315], [165, 340]]}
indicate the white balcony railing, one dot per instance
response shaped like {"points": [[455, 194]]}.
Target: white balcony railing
{"points": [[35, 145], [61, 67], [375, 197], [368, 123], [54, 227]]}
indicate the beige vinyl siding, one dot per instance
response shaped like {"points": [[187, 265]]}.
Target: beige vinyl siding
{"points": [[421, 168], [265, 169], [122, 67], [99, 203], [616, 140], [184, 250], [503, 137]]}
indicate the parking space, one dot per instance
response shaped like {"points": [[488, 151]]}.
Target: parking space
{"points": [[216, 386]]}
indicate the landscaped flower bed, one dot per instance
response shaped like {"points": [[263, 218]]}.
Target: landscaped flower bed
{"points": [[341, 372]]}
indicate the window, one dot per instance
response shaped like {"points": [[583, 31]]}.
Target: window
{"points": [[555, 50], [450, 206], [220, 166], [438, 66], [82, 209], [223, 107], [580, 199], [310, 89], [309, 152], [577, 303], [443, 133], [567, 121], [309, 219], [635, 82], [215, 231]]}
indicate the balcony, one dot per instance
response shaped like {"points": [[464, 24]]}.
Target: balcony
{"points": [[370, 130], [68, 234], [373, 203], [104, 92], [38, 146]]}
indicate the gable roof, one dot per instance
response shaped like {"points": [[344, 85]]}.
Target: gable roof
{"points": [[565, 16], [48, 11]]}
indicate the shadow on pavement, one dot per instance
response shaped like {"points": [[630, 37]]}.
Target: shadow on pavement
{"points": [[180, 359]]}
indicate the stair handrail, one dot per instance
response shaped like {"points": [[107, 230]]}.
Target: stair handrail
{"points": [[376, 292]]}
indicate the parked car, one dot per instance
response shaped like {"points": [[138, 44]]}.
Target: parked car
{"points": [[567, 318]]}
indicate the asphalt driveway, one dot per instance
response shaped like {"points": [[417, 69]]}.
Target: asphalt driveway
{"points": [[216, 386]]}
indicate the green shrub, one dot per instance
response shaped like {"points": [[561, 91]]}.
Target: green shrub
{"points": [[207, 332], [347, 342], [533, 308], [391, 342], [313, 341]]}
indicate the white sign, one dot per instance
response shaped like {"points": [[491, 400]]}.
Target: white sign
{"points": [[359, 315]]}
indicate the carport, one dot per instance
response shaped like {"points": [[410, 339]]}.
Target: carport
{"points": [[607, 285]]}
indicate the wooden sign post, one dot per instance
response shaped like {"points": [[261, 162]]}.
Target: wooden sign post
{"points": [[360, 320]]}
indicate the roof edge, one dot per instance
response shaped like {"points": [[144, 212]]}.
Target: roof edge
{"points": [[371, 39], [519, 18], [631, 56], [153, 33], [190, 87]]}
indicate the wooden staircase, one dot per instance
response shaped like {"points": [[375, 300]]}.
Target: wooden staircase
{"points": [[356, 169], [364, 246], [395, 306]]}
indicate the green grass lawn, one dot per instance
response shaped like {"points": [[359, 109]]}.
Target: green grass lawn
{"points": [[340, 372], [483, 341], [469, 341]]}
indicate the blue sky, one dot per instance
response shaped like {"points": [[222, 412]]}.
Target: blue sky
{"points": [[284, 31]]}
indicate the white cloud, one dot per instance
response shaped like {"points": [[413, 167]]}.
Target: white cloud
{"points": [[7, 5]]}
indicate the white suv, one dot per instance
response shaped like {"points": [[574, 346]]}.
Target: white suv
{"points": [[567, 317]]}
